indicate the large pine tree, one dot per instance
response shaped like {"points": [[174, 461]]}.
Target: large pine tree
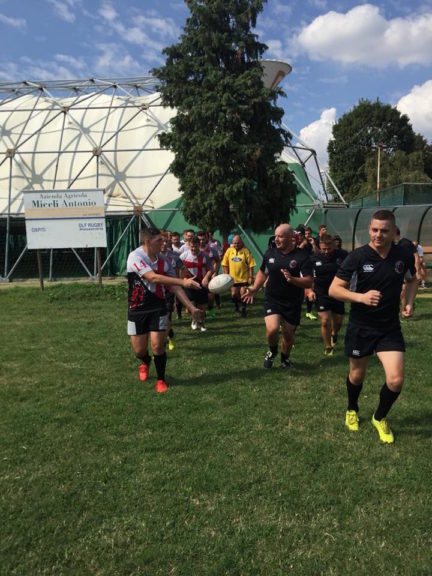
{"points": [[226, 135]]}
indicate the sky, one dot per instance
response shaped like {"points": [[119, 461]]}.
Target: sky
{"points": [[340, 51]]}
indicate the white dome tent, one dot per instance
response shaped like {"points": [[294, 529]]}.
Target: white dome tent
{"points": [[96, 133]]}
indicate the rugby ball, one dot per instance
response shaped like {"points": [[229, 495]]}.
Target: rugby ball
{"points": [[220, 284]]}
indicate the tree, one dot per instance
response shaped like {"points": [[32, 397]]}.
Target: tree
{"points": [[359, 133], [226, 134]]}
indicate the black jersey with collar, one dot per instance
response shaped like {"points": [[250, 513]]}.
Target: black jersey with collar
{"points": [[296, 262], [366, 270], [324, 268]]}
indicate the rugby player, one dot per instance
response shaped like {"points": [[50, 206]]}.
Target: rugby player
{"points": [[197, 265], [371, 279], [148, 273], [289, 272], [324, 267]]}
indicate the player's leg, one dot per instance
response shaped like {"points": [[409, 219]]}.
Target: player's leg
{"points": [[235, 297], [243, 290], [393, 363], [272, 323], [157, 342], [326, 331], [140, 348], [288, 333], [336, 325], [354, 384]]}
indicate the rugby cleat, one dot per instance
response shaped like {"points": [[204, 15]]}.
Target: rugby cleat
{"points": [[143, 372], [328, 351], [334, 339], [161, 387], [286, 363], [194, 325], [310, 316], [268, 360], [385, 434], [352, 421], [171, 344]]}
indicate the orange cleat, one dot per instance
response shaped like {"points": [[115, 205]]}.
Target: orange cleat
{"points": [[143, 372], [161, 387]]}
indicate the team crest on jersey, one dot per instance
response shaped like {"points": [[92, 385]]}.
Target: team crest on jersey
{"points": [[368, 268], [399, 267], [293, 264]]}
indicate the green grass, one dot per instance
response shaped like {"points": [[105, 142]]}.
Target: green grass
{"points": [[236, 470]]}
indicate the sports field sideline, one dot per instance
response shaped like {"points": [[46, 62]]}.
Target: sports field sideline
{"points": [[235, 470]]}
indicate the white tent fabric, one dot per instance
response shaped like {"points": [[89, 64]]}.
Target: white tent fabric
{"points": [[102, 138]]}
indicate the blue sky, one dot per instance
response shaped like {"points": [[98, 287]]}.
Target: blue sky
{"points": [[340, 50]]}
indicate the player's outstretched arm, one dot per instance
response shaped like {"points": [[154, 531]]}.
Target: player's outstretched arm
{"points": [[260, 278], [171, 281]]}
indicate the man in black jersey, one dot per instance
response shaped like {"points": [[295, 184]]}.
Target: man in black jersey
{"points": [[371, 278], [288, 271], [325, 264]]}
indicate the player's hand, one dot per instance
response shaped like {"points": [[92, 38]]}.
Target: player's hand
{"points": [[248, 296], [191, 283], [205, 282], [287, 274], [407, 311], [311, 296], [371, 298], [197, 314]]}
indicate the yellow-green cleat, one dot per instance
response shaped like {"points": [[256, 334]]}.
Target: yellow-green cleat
{"points": [[352, 421], [385, 434]]}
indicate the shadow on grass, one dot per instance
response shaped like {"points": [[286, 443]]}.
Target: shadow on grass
{"points": [[419, 424]]}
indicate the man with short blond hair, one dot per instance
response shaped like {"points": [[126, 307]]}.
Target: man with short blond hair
{"points": [[371, 279]]}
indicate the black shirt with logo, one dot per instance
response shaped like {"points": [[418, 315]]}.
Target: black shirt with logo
{"points": [[324, 269], [366, 270], [298, 264]]}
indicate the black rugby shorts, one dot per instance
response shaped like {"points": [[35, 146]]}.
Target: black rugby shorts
{"points": [[363, 341], [140, 323], [289, 311], [323, 303]]}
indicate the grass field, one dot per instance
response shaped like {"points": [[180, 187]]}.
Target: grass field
{"points": [[235, 471]]}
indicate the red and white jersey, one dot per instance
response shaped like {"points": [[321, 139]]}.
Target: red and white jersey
{"points": [[211, 252], [197, 265], [143, 294]]}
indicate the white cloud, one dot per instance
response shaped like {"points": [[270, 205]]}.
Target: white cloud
{"points": [[317, 134], [108, 12], [275, 49], [363, 36], [20, 23], [114, 60], [76, 63], [417, 106], [64, 9]]}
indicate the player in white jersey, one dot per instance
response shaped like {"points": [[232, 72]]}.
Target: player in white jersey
{"points": [[149, 273], [197, 265]]}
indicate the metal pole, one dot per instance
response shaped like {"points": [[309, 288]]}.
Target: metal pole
{"points": [[8, 218], [39, 261], [378, 173]]}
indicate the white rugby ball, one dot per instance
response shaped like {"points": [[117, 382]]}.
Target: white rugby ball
{"points": [[220, 284]]}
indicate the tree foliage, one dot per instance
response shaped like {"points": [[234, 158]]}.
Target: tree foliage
{"points": [[404, 155], [226, 135]]}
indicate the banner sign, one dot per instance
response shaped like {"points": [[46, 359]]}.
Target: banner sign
{"points": [[65, 219]]}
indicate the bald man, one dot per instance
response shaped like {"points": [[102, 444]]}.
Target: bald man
{"points": [[289, 272]]}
